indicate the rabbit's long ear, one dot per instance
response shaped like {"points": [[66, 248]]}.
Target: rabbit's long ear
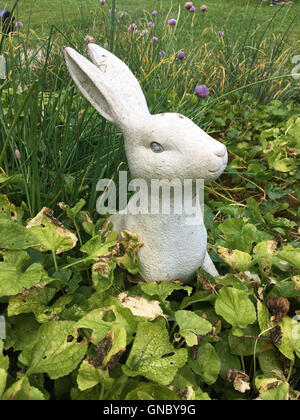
{"points": [[120, 76], [99, 90]]}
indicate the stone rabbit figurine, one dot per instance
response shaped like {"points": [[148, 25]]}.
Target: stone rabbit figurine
{"points": [[162, 147]]}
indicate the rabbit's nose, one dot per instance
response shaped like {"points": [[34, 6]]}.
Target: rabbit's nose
{"points": [[220, 151]]}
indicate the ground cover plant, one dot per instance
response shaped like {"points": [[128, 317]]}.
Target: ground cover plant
{"points": [[81, 323]]}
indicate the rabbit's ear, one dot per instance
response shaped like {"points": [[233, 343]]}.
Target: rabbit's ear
{"points": [[99, 90], [120, 76]]}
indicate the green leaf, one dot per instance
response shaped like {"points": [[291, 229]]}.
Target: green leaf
{"points": [[10, 211], [199, 296], [235, 307], [57, 351], [13, 280], [15, 236], [23, 391], [4, 360], [191, 326], [152, 355], [21, 332], [263, 316], [163, 289], [228, 361], [291, 255], [290, 342], [238, 260], [33, 300], [269, 361], [207, 365], [280, 393], [241, 346], [97, 247], [3, 377], [93, 321], [239, 235], [50, 234], [103, 275], [90, 376], [156, 392]]}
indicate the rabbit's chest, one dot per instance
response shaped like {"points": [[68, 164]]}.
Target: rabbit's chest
{"points": [[173, 248]]}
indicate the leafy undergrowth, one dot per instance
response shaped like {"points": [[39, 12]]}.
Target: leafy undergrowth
{"points": [[81, 323]]}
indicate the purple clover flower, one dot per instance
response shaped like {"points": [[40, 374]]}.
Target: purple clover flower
{"points": [[172, 22], [154, 13], [180, 55], [132, 27], [221, 34], [202, 91], [18, 24], [188, 5], [162, 53], [122, 15], [203, 8], [144, 32], [192, 9], [102, 2], [155, 39], [150, 24]]}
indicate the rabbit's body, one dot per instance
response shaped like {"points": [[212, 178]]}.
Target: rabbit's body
{"points": [[173, 248], [159, 147]]}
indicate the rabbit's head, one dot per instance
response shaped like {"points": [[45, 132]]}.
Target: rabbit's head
{"points": [[162, 146]]}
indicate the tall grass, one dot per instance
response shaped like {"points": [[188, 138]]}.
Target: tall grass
{"points": [[66, 147]]}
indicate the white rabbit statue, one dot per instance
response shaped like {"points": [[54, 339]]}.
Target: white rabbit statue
{"points": [[163, 147]]}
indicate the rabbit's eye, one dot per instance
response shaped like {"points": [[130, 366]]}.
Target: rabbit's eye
{"points": [[156, 147]]}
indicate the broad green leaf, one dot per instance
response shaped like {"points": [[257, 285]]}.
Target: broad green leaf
{"points": [[113, 346], [263, 316], [152, 355], [228, 360], [4, 360], [129, 248], [291, 255], [269, 361], [33, 300], [15, 236], [57, 351], [191, 326], [241, 346], [50, 234], [97, 247], [21, 331], [164, 289], [23, 391], [235, 307], [93, 321], [10, 211], [236, 259], [13, 280], [199, 296], [47, 313], [90, 376], [207, 364], [103, 275], [239, 235], [280, 393], [290, 342], [156, 392], [272, 388], [3, 377]]}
